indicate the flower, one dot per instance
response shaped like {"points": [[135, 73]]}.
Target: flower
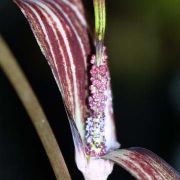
{"points": [[83, 79], [62, 33]]}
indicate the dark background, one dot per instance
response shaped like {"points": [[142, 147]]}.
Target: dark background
{"points": [[143, 40]]}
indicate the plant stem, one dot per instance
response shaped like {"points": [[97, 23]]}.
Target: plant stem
{"points": [[28, 98], [100, 26], [100, 18]]}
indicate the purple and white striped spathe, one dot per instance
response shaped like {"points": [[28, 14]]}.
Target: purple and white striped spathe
{"points": [[143, 164], [61, 31]]}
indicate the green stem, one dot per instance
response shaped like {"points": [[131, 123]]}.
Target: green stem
{"points": [[28, 98], [100, 26], [100, 19]]}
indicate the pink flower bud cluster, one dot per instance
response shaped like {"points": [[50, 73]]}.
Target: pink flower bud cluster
{"points": [[95, 138]]}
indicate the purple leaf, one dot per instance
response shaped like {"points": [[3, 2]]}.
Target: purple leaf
{"points": [[143, 164], [61, 32]]}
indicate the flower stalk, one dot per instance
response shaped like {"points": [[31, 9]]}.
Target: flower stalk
{"points": [[100, 26], [28, 98]]}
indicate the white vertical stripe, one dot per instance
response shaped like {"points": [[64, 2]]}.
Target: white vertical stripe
{"points": [[66, 43], [54, 58], [74, 30], [46, 38], [76, 10]]}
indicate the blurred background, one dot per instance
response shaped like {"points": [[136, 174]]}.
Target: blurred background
{"points": [[143, 40]]}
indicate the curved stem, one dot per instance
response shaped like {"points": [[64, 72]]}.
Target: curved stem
{"points": [[24, 91]]}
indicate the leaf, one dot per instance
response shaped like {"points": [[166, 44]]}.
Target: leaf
{"points": [[61, 32], [143, 164]]}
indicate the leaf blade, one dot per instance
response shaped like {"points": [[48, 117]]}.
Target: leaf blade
{"points": [[143, 164], [61, 32]]}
